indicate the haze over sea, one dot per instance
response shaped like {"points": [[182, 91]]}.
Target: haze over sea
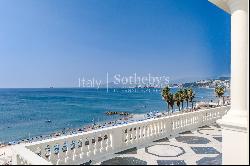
{"points": [[24, 112]]}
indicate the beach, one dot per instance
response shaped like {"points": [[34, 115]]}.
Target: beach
{"points": [[35, 114], [121, 121], [6, 152]]}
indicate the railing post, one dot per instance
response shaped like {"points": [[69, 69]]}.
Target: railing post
{"points": [[117, 140]]}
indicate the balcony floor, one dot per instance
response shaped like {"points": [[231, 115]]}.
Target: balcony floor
{"points": [[201, 147]]}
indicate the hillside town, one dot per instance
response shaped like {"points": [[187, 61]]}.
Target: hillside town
{"points": [[205, 83]]}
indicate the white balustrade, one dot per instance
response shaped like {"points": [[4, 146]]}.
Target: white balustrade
{"points": [[93, 145]]}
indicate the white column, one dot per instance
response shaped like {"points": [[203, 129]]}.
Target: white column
{"points": [[235, 139], [239, 60]]}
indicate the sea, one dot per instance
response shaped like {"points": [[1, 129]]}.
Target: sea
{"points": [[25, 113]]}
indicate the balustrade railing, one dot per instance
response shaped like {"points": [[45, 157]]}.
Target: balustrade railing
{"points": [[93, 145]]}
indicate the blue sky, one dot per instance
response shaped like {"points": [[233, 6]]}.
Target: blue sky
{"points": [[54, 42]]}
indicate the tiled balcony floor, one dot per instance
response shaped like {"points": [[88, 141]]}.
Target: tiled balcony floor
{"points": [[201, 147]]}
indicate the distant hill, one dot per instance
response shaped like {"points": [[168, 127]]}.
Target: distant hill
{"points": [[194, 79], [224, 78], [186, 82]]}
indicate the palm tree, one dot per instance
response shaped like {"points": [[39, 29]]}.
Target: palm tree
{"points": [[164, 93], [171, 101], [182, 97], [220, 90], [191, 96], [186, 97], [178, 99]]}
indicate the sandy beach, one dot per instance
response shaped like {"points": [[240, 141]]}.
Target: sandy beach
{"points": [[119, 121], [6, 149]]}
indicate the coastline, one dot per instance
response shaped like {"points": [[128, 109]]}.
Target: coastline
{"points": [[103, 124], [6, 151], [48, 111]]}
